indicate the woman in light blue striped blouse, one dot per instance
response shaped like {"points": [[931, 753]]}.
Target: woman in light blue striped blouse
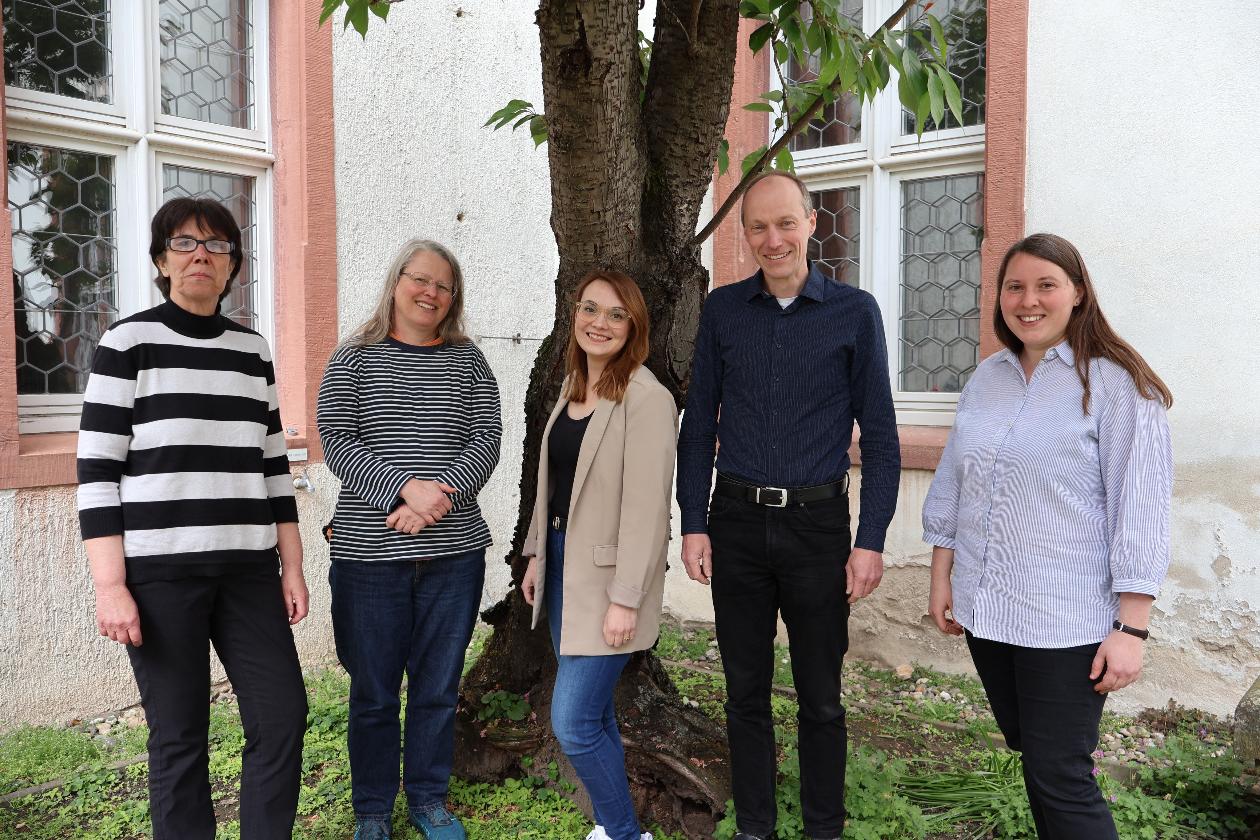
{"points": [[1049, 517]]}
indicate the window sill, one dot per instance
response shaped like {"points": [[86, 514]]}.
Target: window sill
{"points": [[921, 446], [48, 460]]}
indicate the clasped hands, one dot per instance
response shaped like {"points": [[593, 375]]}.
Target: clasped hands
{"points": [[424, 503]]}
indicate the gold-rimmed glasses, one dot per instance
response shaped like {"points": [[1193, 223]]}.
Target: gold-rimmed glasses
{"points": [[589, 311], [427, 284]]}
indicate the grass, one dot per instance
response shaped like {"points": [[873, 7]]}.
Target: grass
{"points": [[908, 777]]}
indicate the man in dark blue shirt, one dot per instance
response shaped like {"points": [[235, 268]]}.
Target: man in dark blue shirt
{"points": [[784, 363]]}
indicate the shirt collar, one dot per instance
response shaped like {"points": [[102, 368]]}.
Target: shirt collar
{"points": [[817, 285], [1061, 351]]}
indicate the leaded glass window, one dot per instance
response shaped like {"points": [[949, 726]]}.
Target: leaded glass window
{"points": [[840, 122], [941, 229], [966, 25], [835, 246], [60, 47], [236, 193], [207, 58], [62, 204]]}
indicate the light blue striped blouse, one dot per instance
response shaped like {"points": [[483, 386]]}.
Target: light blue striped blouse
{"points": [[1050, 512]]}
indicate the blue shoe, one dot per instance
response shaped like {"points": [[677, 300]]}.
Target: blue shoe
{"points": [[437, 823], [371, 830]]}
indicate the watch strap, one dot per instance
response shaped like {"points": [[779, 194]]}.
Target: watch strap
{"points": [[1132, 631]]}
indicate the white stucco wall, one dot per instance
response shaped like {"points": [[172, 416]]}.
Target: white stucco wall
{"points": [[1149, 168]]}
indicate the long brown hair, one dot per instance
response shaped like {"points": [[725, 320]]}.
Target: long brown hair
{"points": [[377, 327], [1088, 333], [616, 376]]}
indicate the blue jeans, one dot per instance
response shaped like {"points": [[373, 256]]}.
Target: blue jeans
{"points": [[391, 617], [583, 716]]}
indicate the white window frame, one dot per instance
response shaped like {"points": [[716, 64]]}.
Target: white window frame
{"points": [[878, 165], [141, 140]]}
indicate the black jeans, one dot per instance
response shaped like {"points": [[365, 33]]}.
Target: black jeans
{"points": [[1046, 707], [767, 560], [243, 614]]}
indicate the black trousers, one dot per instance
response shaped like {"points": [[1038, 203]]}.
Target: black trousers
{"points": [[243, 614], [790, 560], [1046, 707]]}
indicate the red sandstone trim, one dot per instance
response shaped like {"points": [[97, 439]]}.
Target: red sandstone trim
{"points": [[305, 268]]}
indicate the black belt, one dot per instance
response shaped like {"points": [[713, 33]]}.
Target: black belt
{"points": [[780, 496], [559, 523]]}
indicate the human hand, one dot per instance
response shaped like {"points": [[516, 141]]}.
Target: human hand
{"points": [[406, 521], [941, 608], [117, 615], [529, 583], [619, 624], [697, 556], [296, 597], [429, 499], [862, 573], [1118, 661]]}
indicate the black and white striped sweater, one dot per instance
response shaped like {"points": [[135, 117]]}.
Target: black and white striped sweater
{"points": [[181, 451], [389, 412]]}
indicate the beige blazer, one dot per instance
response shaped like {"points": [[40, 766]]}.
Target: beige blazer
{"points": [[618, 530]]}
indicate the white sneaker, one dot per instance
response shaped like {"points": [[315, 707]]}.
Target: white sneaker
{"points": [[597, 834]]}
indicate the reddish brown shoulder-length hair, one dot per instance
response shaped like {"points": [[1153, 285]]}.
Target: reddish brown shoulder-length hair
{"points": [[616, 376], [1088, 333]]}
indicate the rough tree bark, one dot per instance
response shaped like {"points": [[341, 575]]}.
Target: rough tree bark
{"points": [[630, 163]]}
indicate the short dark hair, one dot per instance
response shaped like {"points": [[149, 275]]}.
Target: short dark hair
{"points": [[210, 216]]}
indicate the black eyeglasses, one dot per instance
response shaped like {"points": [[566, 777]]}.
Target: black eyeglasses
{"points": [[184, 244]]}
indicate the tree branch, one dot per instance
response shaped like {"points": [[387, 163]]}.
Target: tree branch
{"points": [[793, 129]]}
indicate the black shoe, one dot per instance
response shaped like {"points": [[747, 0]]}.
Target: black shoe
{"points": [[744, 835]]}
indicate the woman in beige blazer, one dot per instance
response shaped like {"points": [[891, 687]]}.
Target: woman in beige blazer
{"points": [[600, 531]]}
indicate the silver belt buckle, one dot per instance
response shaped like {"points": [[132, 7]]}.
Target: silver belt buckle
{"points": [[782, 491], [555, 523]]}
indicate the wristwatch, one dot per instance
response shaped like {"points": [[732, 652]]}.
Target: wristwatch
{"points": [[1132, 631]]}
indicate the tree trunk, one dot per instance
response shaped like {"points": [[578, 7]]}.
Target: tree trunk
{"points": [[630, 164]]}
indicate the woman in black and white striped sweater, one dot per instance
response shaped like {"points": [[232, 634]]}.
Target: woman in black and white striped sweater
{"points": [[186, 504], [409, 418]]}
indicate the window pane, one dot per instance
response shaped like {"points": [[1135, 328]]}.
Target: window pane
{"points": [[941, 229], [207, 60], [59, 47], [840, 122], [236, 193], [64, 263], [835, 245], [966, 25]]}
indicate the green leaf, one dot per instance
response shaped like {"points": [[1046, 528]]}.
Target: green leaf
{"points": [[780, 52], [764, 107], [938, 34], [750, 160], [921, 112], [773, 95], [538, 129], [871, 72], [792, 34], [330, 6], [723, 156], [783, 160], [760, 35], [936, 95], [380, 8], [952, 96], [910, 62], [357, 16]]}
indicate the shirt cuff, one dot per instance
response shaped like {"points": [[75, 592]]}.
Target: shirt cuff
{"points": [[626, 596], [939, 540], [695, 523], [871, 539], [1142, 587]]}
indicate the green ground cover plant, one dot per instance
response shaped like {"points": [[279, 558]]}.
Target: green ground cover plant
{"points": [[908, 775]]}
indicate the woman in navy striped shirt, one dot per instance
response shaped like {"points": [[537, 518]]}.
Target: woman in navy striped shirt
{"points": [[1049, 517], [408, 414]]}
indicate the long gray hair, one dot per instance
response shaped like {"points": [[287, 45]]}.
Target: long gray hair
{"points": [[377, 327]]}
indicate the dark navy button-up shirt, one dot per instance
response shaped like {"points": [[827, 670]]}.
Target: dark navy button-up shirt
{"points": [[789, 383]]}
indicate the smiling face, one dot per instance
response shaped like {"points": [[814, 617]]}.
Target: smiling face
{"points": [[197, 277], [597, 335], [1037, 301], [777, 229], [420, 306]]}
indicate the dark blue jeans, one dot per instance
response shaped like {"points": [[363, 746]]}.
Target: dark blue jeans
{"points": [[583, 716], [396, 617]]}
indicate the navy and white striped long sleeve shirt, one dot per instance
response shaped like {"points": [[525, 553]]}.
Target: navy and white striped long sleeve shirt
{"points": [[389, 412], [1051, 512], [789, 383]]}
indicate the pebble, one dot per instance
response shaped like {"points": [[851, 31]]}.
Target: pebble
{"points": [[905, 671]]}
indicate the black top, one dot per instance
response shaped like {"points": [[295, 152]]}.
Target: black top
{"points": [[563, 445]]}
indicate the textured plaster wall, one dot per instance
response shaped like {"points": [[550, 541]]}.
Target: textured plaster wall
{"points": [[53, 664], [414, 160]]}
